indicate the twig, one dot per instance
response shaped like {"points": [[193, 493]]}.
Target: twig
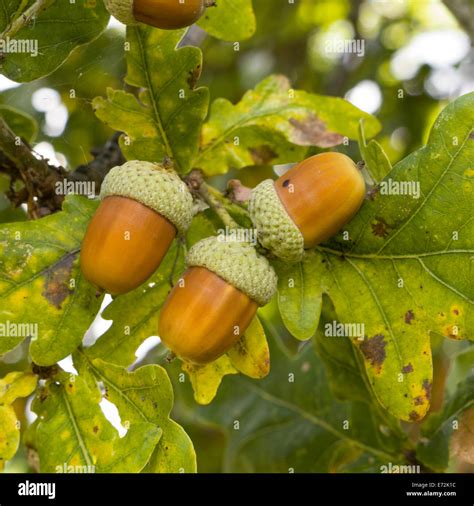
{"points": [[23, 19], [208, 194], [18, 160]]}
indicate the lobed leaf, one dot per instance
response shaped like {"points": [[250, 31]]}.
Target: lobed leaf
{"points": [[49, 37], [146, 395], [165, 120], [72, 431], [230, 20], [401, 267], [275, 124], [42, 291]]}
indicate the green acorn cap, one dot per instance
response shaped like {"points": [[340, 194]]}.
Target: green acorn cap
{"points": [[153, 186], [237, 263], [121, 10], [275, 229]]}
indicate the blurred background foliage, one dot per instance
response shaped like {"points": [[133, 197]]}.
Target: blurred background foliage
{"points": [[417, 58]]}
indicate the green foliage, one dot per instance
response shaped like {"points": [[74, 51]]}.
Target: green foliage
{"points": [[299, 297], [20, 123], [294, 399], [41, 283], [164, 120], [58, 30], [433, 449], [400, 270], [274, 124], [72, 431], [230, 20], [375, 158], [146, 395], [12, 387]]}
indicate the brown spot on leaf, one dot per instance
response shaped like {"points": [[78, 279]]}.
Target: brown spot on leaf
{"points": [[380, 227], [419, 400], [58, 278], [471, 135], [95, 429], [427, 388], [414, 416], [193, 77], [372, 193], [374, 350], [311, 131], [407, 368], [409, 316], [456, 312], [262, 155]]}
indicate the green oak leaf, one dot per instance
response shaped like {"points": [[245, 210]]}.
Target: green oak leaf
{"points": [[230, 20], [9, 434], [13, 386], [376, 160], [299, 297], [295, 399], [206, 379], [251, 355], [42, 292], [345, 373], [165, 120], [72, 431], [401, 267], [57, 30], [146, 395], [20, 123], [438, 428], [275, 124]]}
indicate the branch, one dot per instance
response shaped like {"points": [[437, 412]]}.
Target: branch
{"points": [[23, 19], [37, 175], [107, 157], [40, 177]]}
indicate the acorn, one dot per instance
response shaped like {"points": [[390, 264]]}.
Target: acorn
{"points": [[143, 208], [215, 300], [307, 205], [164, 14]]}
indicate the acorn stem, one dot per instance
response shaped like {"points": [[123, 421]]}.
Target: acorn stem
{"points": [[179, 245], [207, 193]]}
